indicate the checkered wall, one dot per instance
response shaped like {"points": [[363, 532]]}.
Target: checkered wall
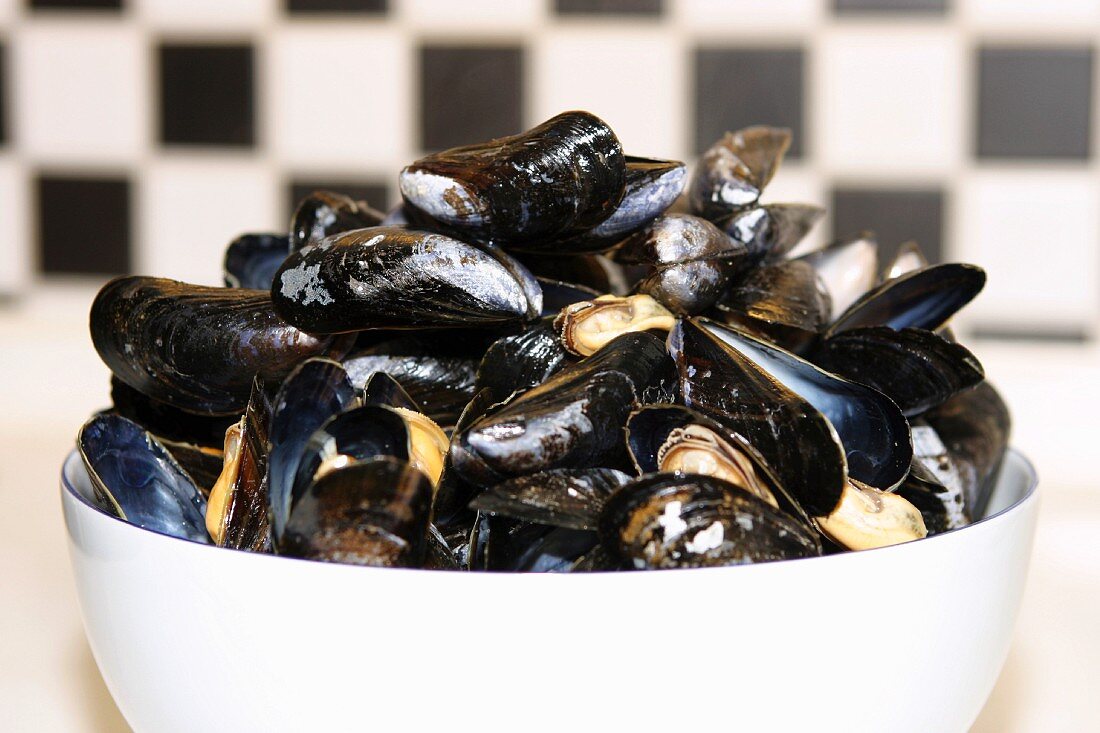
{"points": [[142, 135]]}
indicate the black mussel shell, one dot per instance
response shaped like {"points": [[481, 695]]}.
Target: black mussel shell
{"points": [[246, 522], [396, 278], [521, 361], [682, 521], [362, 433], [454, 493], [557, 295], [203, 465], [871, 427], [573, 420], [313, 393], [923, 299], [734, 171], [847, 268], [437, 371], [135, 478], [769, 232], [591, 271], [557, 551], [382, 389], [324, 213], [687, 288], [565, 497], [932, 456], [786, 301], [194, 347], [556, 180], [795, 439], [916, 369], [252, 259], [438, 554], [168, 422], [371, 513], [909, 258], [649, 428], [921, 489], [975, 427], [675, 238], [505, 544]]}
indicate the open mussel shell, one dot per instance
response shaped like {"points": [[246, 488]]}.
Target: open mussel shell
{"points": [[454, 492], [521, 361], [848, 269], [203, 465], [359, 434], [871, 427], [556, 180], [923, 299], [916, 369], [382, 389], [593, 271], [313, 393], [572, 420], [931, 455], [933, 500], [557, 295], [136, 479], [794, 438], [786, 301], [324, 213], [566, 497], [436, 370], [383, 277], [651, 187], [168, 422], [734, 171], [194, 347], [238, 508], [505, 544], [770, 231], [252, 259], [974, 426], [688, 520], [654, 432], [371, 513]]}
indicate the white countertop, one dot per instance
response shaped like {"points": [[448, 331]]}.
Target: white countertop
{"points": [[51, 379]]}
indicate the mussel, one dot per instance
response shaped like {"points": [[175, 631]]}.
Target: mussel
{"points": [[520, 361], [847, 268], [324, 213], [734, 171], [252, 259], [383, 277], [556, 180], [194, 347], [770, 231], [588, 326], [785, 302]]}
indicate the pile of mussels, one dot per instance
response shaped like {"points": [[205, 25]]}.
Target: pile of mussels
{"points": [[541, 361]]}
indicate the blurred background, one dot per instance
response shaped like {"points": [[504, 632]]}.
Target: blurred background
{"points": [[143, 135]]}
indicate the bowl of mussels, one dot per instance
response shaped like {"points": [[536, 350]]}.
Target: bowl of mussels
{"points": [[567, 438]]}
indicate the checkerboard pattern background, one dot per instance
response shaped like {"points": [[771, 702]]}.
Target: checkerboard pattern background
{"points": [[142, 135]]}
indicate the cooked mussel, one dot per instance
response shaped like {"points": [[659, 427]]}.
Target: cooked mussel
{"points": [[867, 518], [324, 213], [384, 277], [194, 347], [556, 180], [252, 259], [136, 479], [679, 520], [572, 420], [734, 171], [588, 326], [371, 513]]}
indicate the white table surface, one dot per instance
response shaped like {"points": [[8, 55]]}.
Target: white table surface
{"points": [[51, 379]]}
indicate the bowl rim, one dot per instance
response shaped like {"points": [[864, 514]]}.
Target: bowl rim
{"points": [[1029, 495]]}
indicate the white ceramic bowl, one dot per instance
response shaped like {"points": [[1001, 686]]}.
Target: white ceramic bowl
{"points": [[908, 638]]}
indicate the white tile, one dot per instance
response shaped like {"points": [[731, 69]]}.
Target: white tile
{"points": [[1037, 234], [8, 9], [80, 91], [797, 184], [1024, 15], [726, 15], [480, 16], [631, 79], [206, 14], [340, 96], [889, 101], [15, 245], [189, 210]]}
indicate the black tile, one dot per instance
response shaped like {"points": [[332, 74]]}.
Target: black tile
{"points": [[307, 7], [842, 7], [736, 88], [1034, 102], [206, 95], [74, 4], [3, 94], [609, 7], [375, 193], [469, 94], [894, 216], [83, 225]]}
